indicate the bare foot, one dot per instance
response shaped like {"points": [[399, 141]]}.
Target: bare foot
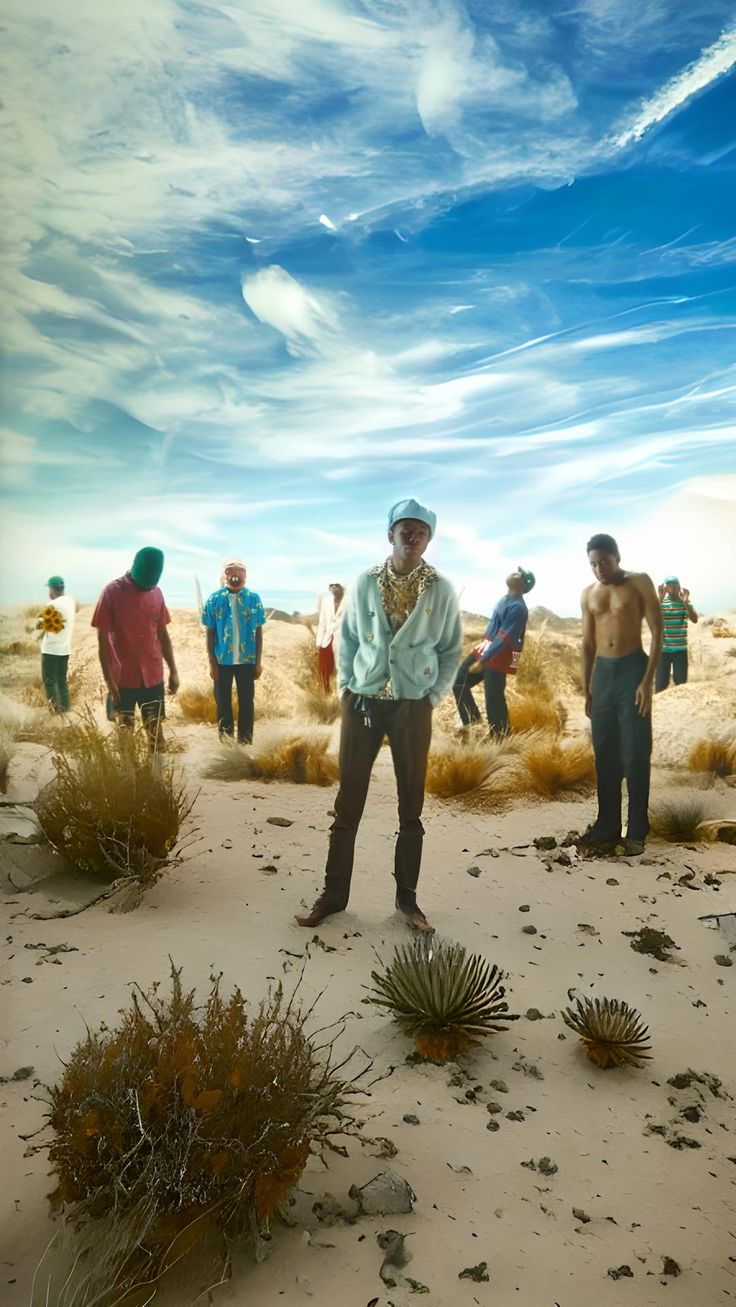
{"points": [[313, 918], [416, 920]]}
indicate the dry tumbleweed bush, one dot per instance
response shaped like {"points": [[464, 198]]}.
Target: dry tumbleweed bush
{"points": [[189, 1118], [115, 805]]}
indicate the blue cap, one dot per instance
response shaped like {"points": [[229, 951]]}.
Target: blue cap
{"points": [[527, 577], [672, 580], [404, 508]]}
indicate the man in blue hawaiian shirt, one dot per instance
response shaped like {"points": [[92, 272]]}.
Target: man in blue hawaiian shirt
{"points": [[234, 617]]}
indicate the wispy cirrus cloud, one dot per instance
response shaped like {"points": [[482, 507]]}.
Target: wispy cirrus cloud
{"points": [[714, 62]]}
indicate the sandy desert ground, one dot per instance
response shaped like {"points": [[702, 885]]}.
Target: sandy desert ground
{"points": [[639, 1169]]}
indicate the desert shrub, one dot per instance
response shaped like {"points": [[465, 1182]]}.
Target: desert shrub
{"points": [[17, 718], [535, 665], [677, 819], [34, 694], [197, 704], [713, 755], [455, 768], [554, 766], [18, 648], [318, 706], [446, 1000], [612, 1033], [7, 749], [300, 757], [192, 1117], [114, 805], [537, 713], [723, 633]]}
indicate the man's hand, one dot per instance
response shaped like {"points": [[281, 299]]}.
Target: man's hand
{"points": [[257, 672], [643, 697], [475, 668], [173, 682], [661, 591], [214, 669], [588, 703], [685, 596], [113, 691]]}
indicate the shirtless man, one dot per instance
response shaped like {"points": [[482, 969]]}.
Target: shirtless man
{"points": [[618, 681]]}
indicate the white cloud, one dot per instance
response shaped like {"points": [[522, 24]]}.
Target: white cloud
{"points": [[279, 300], [713, 63]]}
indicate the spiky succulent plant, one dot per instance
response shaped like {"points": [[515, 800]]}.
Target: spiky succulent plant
{"points": [[611, 1032], [445, 999]]}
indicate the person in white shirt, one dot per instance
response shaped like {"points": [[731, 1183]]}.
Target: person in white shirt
{"points": [[331, 613], [56, 647]]}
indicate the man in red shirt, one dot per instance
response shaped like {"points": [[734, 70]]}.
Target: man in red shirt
{"points": [[133, 643]]}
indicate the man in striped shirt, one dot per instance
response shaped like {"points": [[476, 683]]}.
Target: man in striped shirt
{"points": [[676, 612]]}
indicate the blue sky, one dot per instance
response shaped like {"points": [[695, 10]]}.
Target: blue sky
{"points": [[272, 265]]}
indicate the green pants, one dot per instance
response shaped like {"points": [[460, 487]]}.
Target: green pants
{"points": [[53, 674]]}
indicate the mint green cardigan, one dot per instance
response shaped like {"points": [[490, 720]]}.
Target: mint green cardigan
{"points": [[421, 658]]}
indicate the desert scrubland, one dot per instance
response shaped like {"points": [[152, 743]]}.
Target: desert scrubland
{"points": [[571, 1183]]}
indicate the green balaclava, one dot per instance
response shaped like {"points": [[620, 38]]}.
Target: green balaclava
{"points": [[148, 565]]}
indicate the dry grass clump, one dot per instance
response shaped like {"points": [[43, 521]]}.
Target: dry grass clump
{"points": [[299, 756], [723, 633], [677, 819], [717, 756], [444, 999], [185, 1118], [18, 648], [611, 1032], [197, 704], [552, 767], [115, 805], [537, 713], [317, 705], [7, 749], [456, 767]]}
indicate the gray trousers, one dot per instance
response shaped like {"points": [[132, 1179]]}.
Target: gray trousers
{"points": [[622, 742], [408, 725]]}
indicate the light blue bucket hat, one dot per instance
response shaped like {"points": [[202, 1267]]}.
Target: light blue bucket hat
{"points": [[411, 508]]}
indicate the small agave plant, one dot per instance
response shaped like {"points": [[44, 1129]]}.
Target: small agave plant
{"points": [[445, 999], [611, 1032]]}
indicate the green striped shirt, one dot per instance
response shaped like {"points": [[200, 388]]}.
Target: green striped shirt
{"points": [[674, 612]]}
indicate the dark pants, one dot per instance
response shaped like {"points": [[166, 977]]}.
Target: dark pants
{"points": [[53, 674], [622, 741], [408, 725], [244, 676], [494, 689], [150, 700], [674, 660]]}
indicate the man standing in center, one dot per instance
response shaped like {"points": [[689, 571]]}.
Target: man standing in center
{"points": [[400, 646], [618, 681], [234, 617]]}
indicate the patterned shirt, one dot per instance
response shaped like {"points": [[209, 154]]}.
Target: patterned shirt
{"points": [[674, 614], [399, 596], [235, 640]]}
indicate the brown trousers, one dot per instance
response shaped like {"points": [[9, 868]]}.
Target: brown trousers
{"points": [[365, 722]]}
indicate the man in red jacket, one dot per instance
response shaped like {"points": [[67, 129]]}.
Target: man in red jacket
{"points": [[496, 657]]}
